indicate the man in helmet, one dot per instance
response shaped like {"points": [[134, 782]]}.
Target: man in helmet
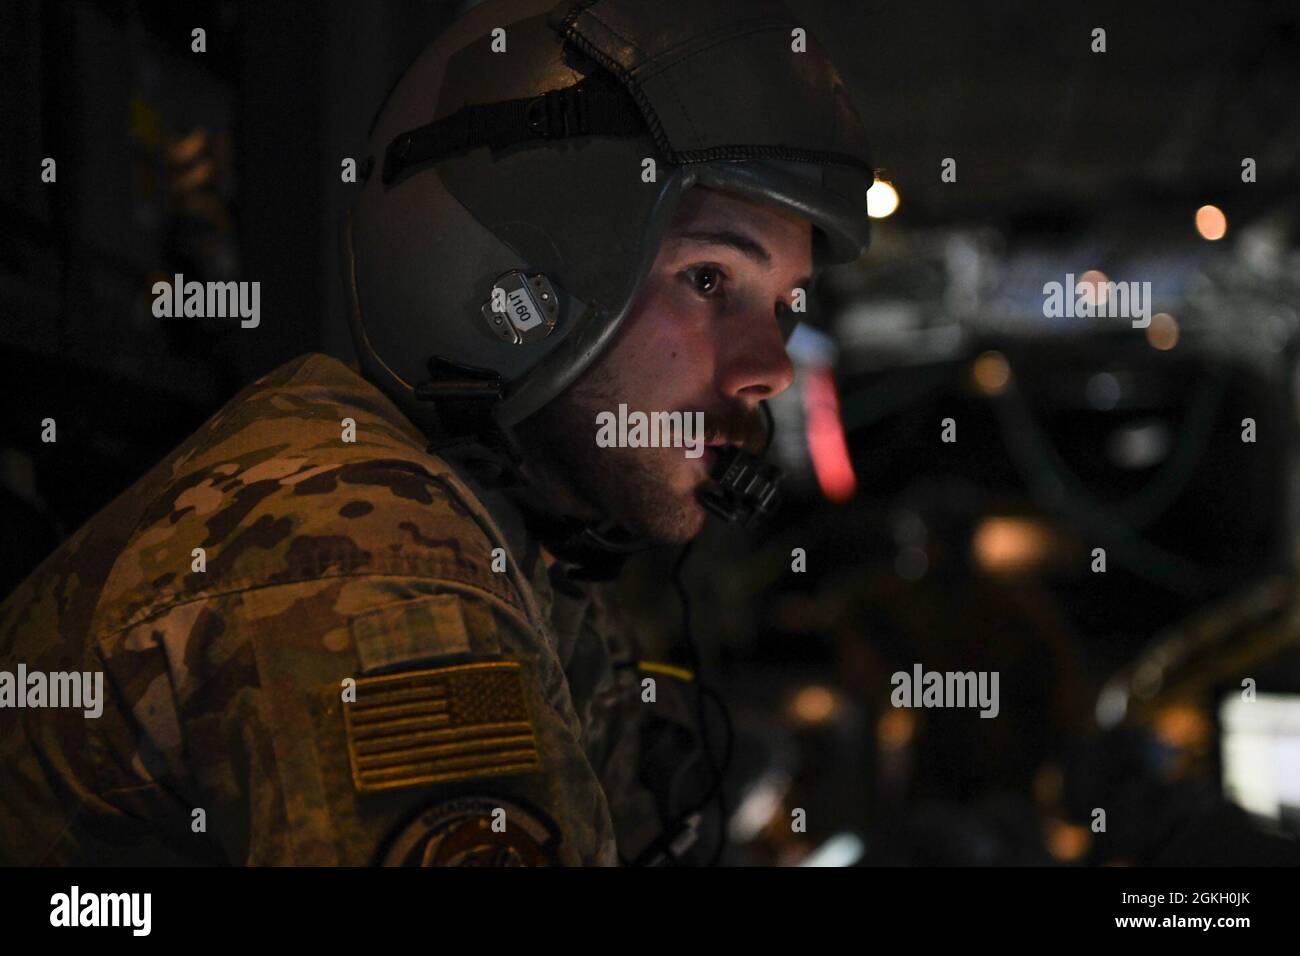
{"points": [[355, 619]]}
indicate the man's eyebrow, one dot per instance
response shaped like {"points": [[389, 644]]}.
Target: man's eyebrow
{"points": [[739, 241], [728, 237]]}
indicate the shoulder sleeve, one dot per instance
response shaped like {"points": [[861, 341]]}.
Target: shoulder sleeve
{"points": [[377, 719]]}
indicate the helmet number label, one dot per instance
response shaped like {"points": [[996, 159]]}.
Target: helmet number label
{"points": [[522, 312], [521, 308]]}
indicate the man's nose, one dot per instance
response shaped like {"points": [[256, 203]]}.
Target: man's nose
{"points": [[754, 363]]}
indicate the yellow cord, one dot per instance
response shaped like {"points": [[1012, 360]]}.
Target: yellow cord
{"points": [[681, 673]]}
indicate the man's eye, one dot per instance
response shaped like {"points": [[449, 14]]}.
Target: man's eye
{"points": [[706, 280]]}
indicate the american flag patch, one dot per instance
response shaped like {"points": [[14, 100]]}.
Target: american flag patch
{"points": [[432, 726]]}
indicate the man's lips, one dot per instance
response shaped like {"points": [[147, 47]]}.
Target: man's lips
{"points": [[708, 464], [713, 454], [751, 437], [746, 431], [752, 440]]}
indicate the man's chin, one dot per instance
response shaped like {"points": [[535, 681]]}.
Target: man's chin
{"points": [[674, 522], [652, 492]]}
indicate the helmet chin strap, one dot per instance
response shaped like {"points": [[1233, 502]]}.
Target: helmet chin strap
{"points": [[596, 550], [743, 488]]}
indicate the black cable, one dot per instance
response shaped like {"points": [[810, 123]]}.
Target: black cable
{"points": [[718, 769], [724, 814], [703, 693]]}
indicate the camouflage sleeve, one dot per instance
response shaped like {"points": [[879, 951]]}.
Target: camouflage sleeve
{"points": [[365, 719]]}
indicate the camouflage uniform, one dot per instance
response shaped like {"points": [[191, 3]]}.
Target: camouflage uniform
{"points": [[481, 696]]}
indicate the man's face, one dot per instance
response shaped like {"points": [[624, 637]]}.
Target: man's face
{"points": [[704, 334]]}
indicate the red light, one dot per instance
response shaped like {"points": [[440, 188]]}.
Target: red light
{"points": [[826, 443]]}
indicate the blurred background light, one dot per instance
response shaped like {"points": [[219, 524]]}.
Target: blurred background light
{"points": [[1211, 223], [882, 199]]}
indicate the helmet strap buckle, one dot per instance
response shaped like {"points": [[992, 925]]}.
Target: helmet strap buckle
{"points": [[558, 113], [466, 398]]}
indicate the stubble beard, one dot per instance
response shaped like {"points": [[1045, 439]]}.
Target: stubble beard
{"points": [[631, 486]]}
